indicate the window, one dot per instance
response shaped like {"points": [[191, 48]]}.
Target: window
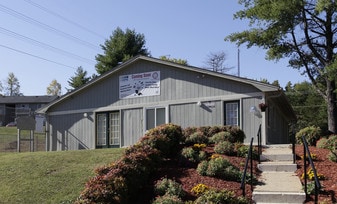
{"points": [[108, 129], [101, 129], [155, 117], [114, 128], [232, 113]]}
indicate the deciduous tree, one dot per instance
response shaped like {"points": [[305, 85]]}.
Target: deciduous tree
{"points": [[54, 88], [216, 62], [12, 85], [304, 31]]}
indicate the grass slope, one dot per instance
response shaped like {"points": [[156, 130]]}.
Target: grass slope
{"points": [[49, 177]]}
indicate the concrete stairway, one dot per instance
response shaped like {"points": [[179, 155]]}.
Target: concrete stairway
{"points": [[278, 182]]}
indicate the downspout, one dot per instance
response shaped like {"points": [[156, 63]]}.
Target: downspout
{"points": [[47, 132], [264, 130]]}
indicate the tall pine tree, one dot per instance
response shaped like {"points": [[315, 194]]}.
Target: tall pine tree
{"points": [[120, 47], [79, 79]]}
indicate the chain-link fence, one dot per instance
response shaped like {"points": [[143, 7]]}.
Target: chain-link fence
{"points": [[9, 140]]}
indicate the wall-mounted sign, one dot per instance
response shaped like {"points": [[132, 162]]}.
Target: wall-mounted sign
{"points": [[140, 84]]}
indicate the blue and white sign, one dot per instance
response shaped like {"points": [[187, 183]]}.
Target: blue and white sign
{"points": [[138, 85]]}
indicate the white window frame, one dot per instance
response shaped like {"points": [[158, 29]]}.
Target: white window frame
{"points": [[237, 102], [155, 120]]}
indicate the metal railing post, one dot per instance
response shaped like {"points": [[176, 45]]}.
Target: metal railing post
{"points": [[311, 163], [243, 179]]}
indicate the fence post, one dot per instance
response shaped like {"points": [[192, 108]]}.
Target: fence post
{"points": [[18, 142]]}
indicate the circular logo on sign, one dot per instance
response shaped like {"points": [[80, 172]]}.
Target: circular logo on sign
{"points": [[155, 75]]}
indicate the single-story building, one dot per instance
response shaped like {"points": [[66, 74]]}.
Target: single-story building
{"points": [[118, 107], [12, 107]]}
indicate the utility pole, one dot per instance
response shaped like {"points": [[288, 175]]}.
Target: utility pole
{"points": [[238, 61]]}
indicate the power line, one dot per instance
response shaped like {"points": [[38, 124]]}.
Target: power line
{"points": [[64, 19], [41, 58], [44, 45], [47, 27]]}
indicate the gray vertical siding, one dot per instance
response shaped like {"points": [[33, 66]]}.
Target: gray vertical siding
{"points": [[132, 126], [187, 115], [72, 132], [180, 90], [250, 122], [176, 84]]}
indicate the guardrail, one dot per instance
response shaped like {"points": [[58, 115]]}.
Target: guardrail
{"points": [[311, 163], [243, 179]]}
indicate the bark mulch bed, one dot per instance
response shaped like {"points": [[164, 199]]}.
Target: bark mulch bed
{"points": [[323, 166], [189, 177]]}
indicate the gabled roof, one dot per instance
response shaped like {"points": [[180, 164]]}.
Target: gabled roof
{"points": [[263, 87], [27, 99]]}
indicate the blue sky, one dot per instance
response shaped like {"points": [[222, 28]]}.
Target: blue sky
{"points": [[42, 40]]}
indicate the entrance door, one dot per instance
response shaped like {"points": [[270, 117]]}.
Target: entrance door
{"points": [[108, 130]]}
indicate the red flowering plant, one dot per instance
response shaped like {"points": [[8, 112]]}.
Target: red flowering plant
{"points": [[263, 106]]}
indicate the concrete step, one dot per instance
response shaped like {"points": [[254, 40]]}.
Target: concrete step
{"points": [[276, 157], [277, 153], [278, 166], [279, 187]]}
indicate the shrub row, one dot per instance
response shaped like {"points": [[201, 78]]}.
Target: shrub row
{"points": [[121, 181], [329, 143], [168, 191], [219, 168], [311, 134], [214, 134]]}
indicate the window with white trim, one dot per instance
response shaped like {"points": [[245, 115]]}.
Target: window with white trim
{"points": [[155, 117], [232, 111]]}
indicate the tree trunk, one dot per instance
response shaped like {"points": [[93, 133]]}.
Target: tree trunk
{"points": [[331, 106]]}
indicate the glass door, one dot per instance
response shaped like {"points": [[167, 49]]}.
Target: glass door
{"points": [[108, 129]]}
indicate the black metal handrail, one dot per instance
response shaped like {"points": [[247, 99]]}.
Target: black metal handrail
{"points": [[317, 183], [259, 143], [243, 179]]}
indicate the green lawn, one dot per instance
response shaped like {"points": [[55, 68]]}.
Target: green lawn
{"points": [[49, 177]]}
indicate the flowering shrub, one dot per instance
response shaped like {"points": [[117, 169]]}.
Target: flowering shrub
{"points": [[220, 168], [214, 156], [166, 138], [311, 176], [311, 133], [322, 143], [119, 181], [313, 156], [193, 155], [242, 151], [196, 137], [220, 196], [220, 137], [168, 186], [332, 156], [167, 199], [199, 189], [198, 147], [224, 147], [236, 134]]}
